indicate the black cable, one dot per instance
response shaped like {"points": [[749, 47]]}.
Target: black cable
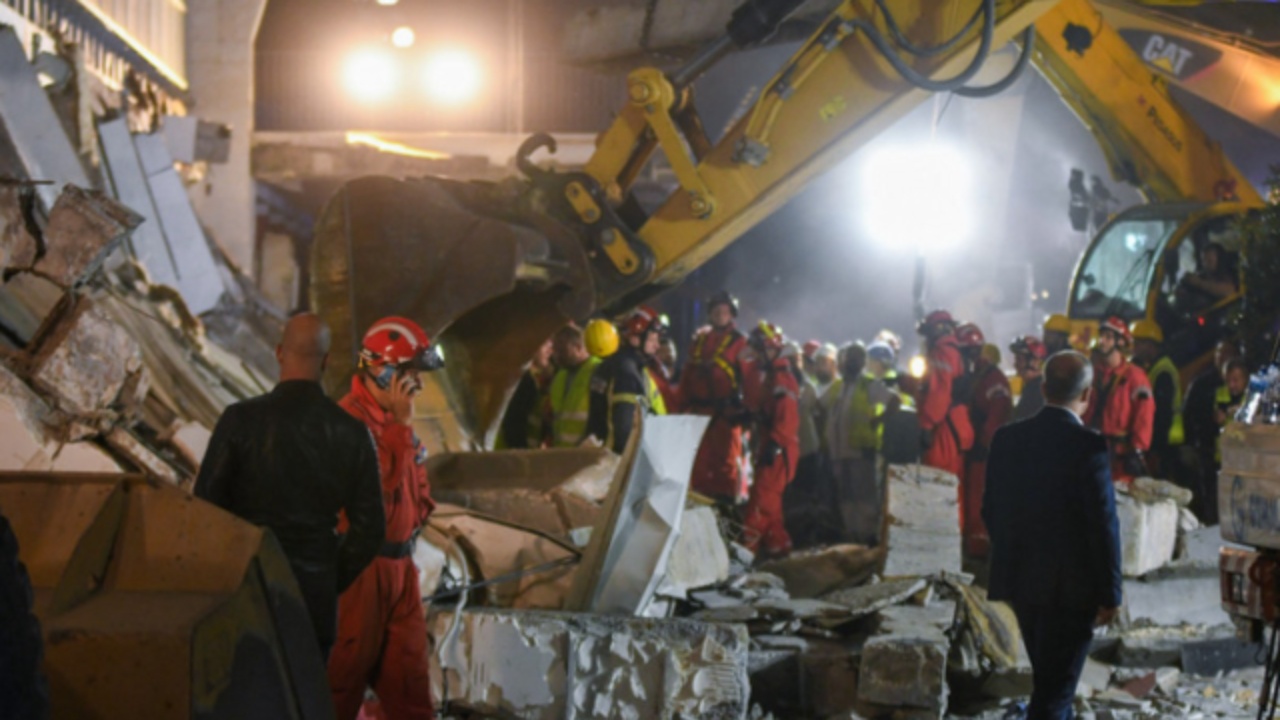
{"points": [[924, 83], [914, 49], [1019, 67]]}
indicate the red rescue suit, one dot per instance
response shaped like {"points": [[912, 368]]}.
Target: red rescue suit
{"points": [[990, 407], [777, 440], [382, 633], [711, 385], [943, 419], [1123, 409]]}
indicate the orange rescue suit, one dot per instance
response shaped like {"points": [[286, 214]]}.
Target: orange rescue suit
{"points": [[1123, 409], [711, 385], [940, 416], [990, 407], [777, 453]]}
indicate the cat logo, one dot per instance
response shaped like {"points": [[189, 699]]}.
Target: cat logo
{"points": [[1176, 57]]}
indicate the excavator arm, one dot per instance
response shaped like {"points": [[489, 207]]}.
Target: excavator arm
{"points": [[494, 269]]}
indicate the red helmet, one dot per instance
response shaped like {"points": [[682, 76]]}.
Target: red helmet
{"points": [[1118, 326], [641, 321], [938, 322], [399, 343], [1030, 346], [811, 349], [767, 336], [970, 335]]}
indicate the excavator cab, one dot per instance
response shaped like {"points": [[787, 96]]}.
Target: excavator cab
{"points": [[1174, 263]]}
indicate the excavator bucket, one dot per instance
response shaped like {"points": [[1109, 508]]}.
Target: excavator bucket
{"points": [[485, 275]]}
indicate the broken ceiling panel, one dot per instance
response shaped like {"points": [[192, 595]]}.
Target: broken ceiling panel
{"points": [[198, 278], [129, 183]]}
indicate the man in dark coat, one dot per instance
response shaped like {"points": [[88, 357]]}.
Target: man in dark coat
{"points": [[1050, 510]]}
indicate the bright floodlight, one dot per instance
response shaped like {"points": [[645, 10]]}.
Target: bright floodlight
{"points": [[918, 195], [402, 37], [387, 3], [371, 75], [452, 77]]}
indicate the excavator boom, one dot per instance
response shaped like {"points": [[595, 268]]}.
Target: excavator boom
{"points": [[494, 269]]}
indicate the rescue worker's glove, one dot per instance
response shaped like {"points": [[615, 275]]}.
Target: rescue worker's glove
{"points": [[1135, 464], [770, 452], [979, 453]]}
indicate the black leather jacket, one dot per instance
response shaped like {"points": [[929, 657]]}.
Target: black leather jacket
{"points": [[290, 461]]}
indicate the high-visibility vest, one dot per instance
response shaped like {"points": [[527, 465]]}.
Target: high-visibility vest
{"points": [[1165, 366], [657, 404], [570, 396], [855, 415]]}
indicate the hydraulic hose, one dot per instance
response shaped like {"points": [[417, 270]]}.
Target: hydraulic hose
{"points": [[898, 37], [910, 75], [1019, 67]]}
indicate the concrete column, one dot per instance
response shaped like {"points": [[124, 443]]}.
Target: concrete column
{"points": [[220, 39]]}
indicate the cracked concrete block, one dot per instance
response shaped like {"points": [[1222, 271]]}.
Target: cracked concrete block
{"points": [[924, 521], [549, 665], [873, 598], [132, 449], [1148, 533], [84, 227], [904, 671], [84, 361], [1174, 595]]}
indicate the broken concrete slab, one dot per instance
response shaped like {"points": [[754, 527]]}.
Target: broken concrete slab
{"points": [[143, 458], [17, 245], [810, 573], [1210, 657], [1094, 678], [1150, 490], [700, 557], [1153, 647], [905, 663], [84, 227], [1148, 533], [547, 665], [924, 521], [872, 598], [1176, 594]]}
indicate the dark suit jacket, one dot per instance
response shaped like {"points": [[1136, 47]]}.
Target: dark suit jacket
{"points": [[1050, 510]]}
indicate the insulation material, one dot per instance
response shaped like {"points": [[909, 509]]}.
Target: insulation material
{"points": [[84, 228], [924, 521], [557, 666]]}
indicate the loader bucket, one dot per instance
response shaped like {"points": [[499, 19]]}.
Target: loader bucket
{"points": [[489, 280]]}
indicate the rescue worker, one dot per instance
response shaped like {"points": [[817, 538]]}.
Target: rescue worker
{"points": [[826, 367], [946, 432], [805, 503], [662, 367], [570, 392], [1166, 391], [623, 382], [522, 423], [1201, 433], [1028, 361], [382, 632], [990, 407], [1227, 400], [900, 441], [711, 385], [292, 461], [1057, 334], [810, 354], [854, 410], [777, 445], [1121, 408]]}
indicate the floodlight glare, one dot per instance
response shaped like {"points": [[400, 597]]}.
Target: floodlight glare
{"points": [[452, 77], [920, 196], [371, 75], [403, 37]]}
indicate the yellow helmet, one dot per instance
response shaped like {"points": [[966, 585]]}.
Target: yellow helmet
{"points": [[601, 338], [991, 354], [1148, 330], [1058, 323]]}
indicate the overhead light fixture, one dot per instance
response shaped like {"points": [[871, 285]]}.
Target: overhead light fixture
{"points": [[452, 76], [403, 37], [371, 75], [387, 3]]}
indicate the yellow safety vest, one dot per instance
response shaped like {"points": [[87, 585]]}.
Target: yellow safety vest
{"points": [[571, 403], [1165, 366], [657, 404], [857, 414], [652, 402]]}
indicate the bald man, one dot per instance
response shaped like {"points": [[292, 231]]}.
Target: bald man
{"points": [[292, 461]]}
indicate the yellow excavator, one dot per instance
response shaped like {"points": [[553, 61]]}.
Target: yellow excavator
{"points": [[494, 269]]}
